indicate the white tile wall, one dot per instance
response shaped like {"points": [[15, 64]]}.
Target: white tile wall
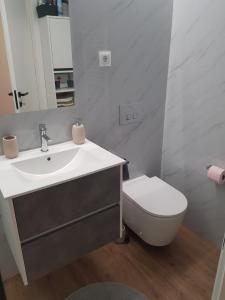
{"points": [[194, 133]]}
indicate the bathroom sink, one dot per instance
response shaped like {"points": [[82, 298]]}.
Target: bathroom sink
{"points": [[33, 170], [51, 163]]}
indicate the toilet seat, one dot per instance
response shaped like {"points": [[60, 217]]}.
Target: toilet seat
{"points": [[155, 197]]}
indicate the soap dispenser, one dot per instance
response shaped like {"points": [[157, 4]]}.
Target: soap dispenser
{"points": [[78, 133]]}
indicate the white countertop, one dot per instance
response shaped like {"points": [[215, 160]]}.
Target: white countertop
{"points": [[14, 183]]}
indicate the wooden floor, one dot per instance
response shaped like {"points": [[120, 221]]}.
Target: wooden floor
{"points": [[185, 270]]}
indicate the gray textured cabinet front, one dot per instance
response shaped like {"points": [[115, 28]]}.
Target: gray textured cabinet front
{"points": [[61, 223], [47, 209], [53, 251]]}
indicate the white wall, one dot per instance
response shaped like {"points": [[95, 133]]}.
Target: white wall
{"points": [[194, 133]]}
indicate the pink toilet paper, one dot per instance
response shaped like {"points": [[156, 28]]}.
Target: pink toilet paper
{"points": [[216, 174]]}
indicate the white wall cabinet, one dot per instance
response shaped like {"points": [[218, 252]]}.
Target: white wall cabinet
{"points": [[57, 57], [60, 35]]}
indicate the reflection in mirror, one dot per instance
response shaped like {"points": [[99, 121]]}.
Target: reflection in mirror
{"points": [[36, 66]]}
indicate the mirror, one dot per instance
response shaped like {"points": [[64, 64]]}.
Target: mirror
{"points": [[36, 66]]}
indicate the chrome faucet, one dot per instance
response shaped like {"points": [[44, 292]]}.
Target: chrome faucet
{"points": [[44, 138]]}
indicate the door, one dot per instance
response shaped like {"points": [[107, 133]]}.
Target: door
{"points": [[219, 288], [7, 105], [20, 53]]}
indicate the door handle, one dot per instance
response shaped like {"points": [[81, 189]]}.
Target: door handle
{"points": [[16, 99], [22, 94]]}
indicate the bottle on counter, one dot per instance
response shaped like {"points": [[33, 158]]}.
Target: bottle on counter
{"points": [[65, 8], [78, 133], [60, 7]]}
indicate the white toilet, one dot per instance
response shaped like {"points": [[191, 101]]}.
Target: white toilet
{"points": [[153, 209]]}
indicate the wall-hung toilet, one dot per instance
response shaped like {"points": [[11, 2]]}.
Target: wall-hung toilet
{"points": [[153, 209]]}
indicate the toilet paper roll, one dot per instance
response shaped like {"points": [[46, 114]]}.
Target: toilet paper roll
{"points": [[216, 174]]}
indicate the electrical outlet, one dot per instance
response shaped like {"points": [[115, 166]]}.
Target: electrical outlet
{"points": [[130, 113]]}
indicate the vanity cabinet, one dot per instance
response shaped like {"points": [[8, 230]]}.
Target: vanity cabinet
{"points": [[57, 206], [59, 224]]}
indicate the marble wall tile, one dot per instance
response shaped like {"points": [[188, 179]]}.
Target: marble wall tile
{"points": [[194, 127], [138, 34]]}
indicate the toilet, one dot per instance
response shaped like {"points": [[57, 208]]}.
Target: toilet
{"points": [[153, 209]]}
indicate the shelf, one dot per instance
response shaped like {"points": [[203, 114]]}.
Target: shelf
{"points": [[66, 90], [63, 71], [58, 17], [60, 106]]}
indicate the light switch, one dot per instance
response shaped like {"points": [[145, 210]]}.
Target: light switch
{"points": [[129, 117], [130, 113], [105, 58], [135, 116]]}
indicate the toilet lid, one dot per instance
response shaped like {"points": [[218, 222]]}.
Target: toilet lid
{"points": [[155, 196]]}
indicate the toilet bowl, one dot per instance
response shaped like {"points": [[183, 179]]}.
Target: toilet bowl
{"points": [[153, 209]]}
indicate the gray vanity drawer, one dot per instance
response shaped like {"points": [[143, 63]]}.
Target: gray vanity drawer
{"points": [[47, 209], [62, 247]]}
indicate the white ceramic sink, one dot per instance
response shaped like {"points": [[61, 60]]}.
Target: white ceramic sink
{"points": [[56, 162], [34, 170], [47, 164]]}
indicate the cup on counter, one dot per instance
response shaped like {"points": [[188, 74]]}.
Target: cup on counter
{"points": [[10, 146]]}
